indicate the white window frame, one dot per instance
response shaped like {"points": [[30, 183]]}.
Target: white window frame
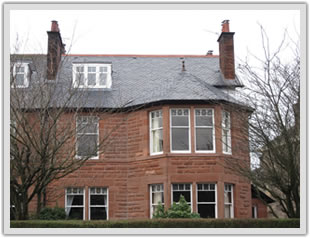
{"points": [[155, 129], [77, 134], [224, 128], [215, 191], [66, 193], [85, 72], [203, 127], [90, 206], [182, 127], [151, 200], [231, 186], [26, 75], [191, 190]]}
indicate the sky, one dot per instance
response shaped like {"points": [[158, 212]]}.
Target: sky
{"points": [[178, 32]]}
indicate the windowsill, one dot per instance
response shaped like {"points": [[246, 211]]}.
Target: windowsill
{"points": [[157, 153], [205, 151], [90, 158], [227, 153]]}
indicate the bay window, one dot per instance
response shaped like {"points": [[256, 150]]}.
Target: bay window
{"points": [[206, 200], [204, 130], [182, 189], [180, 130], [156, 132]]}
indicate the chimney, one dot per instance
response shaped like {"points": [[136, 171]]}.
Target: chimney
{"points": [[226, 50], [55, 49]]}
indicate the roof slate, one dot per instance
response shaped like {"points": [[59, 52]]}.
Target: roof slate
{"points": [[140, 80]]}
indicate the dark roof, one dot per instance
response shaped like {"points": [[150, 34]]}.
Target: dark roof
{"points": [[144, 79], [256, 193]]}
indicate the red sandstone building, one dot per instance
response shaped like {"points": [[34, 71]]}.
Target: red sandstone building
{"points": [[185, 126]]}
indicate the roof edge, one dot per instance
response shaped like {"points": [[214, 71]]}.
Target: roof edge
{"points": [[141, 55]]}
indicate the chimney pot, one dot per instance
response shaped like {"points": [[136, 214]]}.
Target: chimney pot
{"points": [[225, 26], [54, 26]]}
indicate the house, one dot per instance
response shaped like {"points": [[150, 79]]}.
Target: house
{"points": [[178, 123]]}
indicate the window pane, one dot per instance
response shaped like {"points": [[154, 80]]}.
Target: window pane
{"points": [[103, 69], [20, 69], [227, 197], [19, 78], [179, 121], [157, 197], [157, 139], [87, 128], [75, 200], [180, 139], [98, 213], [203, 121], [228, 211], [204, 139], [87, 145], [102, 79], [79, 77], [206, 210], [91, 79], [91, 69], [75, 212], [157, 122], [98, 200], [206, 196], [186, 194]]}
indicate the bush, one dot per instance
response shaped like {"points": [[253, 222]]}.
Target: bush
{"points": [[180, 210], [162, 223], [55, 213]]}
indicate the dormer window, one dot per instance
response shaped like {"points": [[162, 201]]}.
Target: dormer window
{"points": [[92, 76], [21, 75]]}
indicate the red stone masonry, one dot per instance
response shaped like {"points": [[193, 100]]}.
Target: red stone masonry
{"points": [[127, 169]]}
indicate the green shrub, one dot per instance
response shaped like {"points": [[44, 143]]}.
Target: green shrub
{"points": [[177, 210], [162, 223], [55, 213]]}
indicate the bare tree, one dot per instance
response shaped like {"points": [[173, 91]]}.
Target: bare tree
{"points": [[47, 125], [273, 92]]}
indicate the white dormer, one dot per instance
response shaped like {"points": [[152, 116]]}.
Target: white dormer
{"points": [[92, 75], [21, 74]]}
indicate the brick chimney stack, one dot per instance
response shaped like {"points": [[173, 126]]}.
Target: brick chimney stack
{"points": [[226, 50], [55, 49]]}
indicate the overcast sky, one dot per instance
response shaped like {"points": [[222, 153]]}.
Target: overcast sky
{"points": [[149, 31]]}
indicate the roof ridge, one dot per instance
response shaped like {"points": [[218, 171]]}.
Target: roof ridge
{"points": [[142, 55]]}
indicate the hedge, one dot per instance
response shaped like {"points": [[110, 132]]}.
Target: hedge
{"points": [[161, 223]]}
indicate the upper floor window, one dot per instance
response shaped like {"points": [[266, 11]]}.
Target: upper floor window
{"points": [[204, 130], [180, 130], [87, 133], [156, 132], [92, 76], [21, 75], [226, 134]]}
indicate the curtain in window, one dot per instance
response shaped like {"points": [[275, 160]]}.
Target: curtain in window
{"points": [[69, 204]]}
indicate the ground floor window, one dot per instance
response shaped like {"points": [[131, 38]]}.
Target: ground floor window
{"points": [[206, 200], [228, 201], [98, 203], [182, 189], [75, 203], [254, 211], [157, 196]]}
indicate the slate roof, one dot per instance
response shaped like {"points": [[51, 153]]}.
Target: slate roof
{"points": [[138, 80]]}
